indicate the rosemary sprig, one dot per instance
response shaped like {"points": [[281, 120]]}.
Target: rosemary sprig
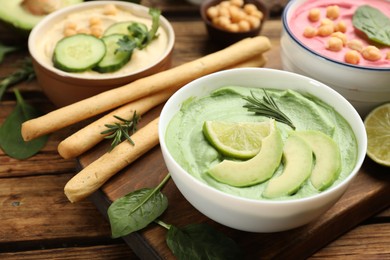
{"points": [[25, 72], [267, 107], [120, 131]]}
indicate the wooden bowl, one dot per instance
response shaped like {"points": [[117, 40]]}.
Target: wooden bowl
{"points": [[224, 37]]}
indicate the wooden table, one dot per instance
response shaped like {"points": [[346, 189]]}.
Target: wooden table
{"points": [[38, 222]]}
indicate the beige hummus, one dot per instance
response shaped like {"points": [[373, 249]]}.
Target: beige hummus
{"points": [[140, 58]]}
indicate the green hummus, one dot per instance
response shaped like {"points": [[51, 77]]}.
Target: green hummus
{"points": [[187, 144]]}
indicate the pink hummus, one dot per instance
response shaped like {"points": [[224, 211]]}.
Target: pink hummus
{"points": [[299, 21]]}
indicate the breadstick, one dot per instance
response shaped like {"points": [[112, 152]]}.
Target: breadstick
{"points": [[89, 136], [258, 61], [178, 76], [92, 177]]}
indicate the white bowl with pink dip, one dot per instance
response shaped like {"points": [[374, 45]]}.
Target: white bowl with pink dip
{"points": [[366, 84]]}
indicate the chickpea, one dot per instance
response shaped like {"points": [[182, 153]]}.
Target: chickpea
{"points": [[236, 14], [325, 30], [310, 32], [224, 11], [327, 21], [253, 21], [352, 57], [224, 4], [94, 21], [341, 36], [388, 55], [96, 31], [71, 25], [237, 3], [371, 53], [333, 12], [212, 12], [314, 15], [233, 27], [110, 9], [244, 26], [355, 44], [250, 8], [334, 44], [341, 26], [69, 32]]}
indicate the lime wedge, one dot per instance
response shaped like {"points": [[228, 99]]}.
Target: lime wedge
{"points": [[377, 125], [238, 140]]}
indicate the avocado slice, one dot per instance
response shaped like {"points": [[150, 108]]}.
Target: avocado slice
{"points": [[298, 163], [327, 155], [258, 169], [22, 15]]}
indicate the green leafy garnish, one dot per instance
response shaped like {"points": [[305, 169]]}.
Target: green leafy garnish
{"points": [[121, 131], [136, 210], [26, 72], [374, 23], [201, 241], [139, 37], [4, 49], [11, 140], [267, 107]]}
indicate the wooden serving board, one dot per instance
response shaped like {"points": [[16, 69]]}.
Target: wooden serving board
{"points": [[368, 194]]}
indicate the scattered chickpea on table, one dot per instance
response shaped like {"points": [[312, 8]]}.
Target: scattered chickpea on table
{"points": [[235, 16], [337, 38]]}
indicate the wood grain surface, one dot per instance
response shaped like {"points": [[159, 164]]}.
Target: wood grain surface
{"points": [[38, 222]]}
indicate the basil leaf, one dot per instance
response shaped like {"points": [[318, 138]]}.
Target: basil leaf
{"points": [[373, 23], [135, 211], [201, 241], [11, 140]]}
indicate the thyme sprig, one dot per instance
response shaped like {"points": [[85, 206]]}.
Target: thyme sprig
{"points": [[267, 107], [122, 130]]}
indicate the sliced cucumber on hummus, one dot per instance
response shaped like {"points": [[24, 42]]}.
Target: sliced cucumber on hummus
{"points": [[113, 60], [78, 53]]}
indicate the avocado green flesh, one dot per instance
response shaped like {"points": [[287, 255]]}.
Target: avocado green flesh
{"points": [[255, 170], [327, 158], [12, 13], [298, 161]]}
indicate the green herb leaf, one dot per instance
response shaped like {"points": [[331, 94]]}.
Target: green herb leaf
{"points": [[267, 107], [11, 140], [139, 37], [120, 131], [373, 23], [201, 241], [4, 50], [136, 210], [26, 72]]}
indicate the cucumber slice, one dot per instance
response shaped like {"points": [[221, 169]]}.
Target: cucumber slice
{"points": [[78, 53], [121, 28], [112, 61]]}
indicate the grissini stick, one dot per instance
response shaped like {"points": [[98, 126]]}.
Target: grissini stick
{"points": [[92, 177], [89, 136], [177, 76]]}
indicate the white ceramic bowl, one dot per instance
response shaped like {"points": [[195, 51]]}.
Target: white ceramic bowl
{"points": [[249, 214], [64, 88], [364, 87]]}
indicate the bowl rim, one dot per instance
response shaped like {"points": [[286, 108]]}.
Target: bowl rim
{"points": [[164, 23], [362, 144], [316, 54]]}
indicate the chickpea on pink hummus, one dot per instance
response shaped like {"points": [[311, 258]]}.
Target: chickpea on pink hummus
{"points": [[327, 27]]}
